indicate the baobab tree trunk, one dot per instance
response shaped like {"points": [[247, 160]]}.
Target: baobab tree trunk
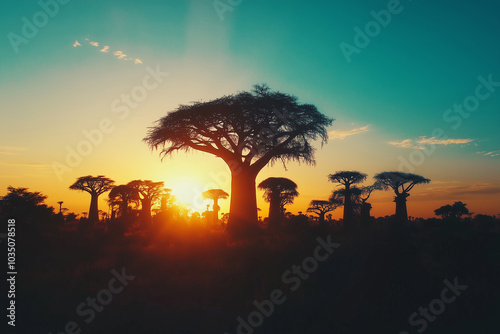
{"points": [[322, 218], [347, 224], [216, 209], [243, 211], [274, 220], [365, 213], [401, 212], [93, 210]]}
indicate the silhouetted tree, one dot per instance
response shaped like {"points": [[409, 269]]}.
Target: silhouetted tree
{"points": [[95, 186], [148, 192], [215, 195], [278, 191], [320, 208], [20, 203], [247, 130], [401, 183], [60, 206], [455, 211], [365, 194], [347, 179], [123, 195]]}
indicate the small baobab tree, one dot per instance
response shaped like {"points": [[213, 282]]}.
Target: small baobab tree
{"points": [[321, 208], [347, 179], [95, 186], [278, 191], [149, 192], [401, 183], [60, 206], [215, 195], [247, 131]]}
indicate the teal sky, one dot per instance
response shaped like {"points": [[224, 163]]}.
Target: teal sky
{"points": [[395, 90]]}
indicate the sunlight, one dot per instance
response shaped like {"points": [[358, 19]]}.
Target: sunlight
{"points": [[188, 191]]}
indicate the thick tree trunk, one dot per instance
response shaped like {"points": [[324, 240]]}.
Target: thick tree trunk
{"points": [[274, 220], [243, 213], [365, 213], [401, 212], [94, 210], [347, 225], [322, 218], [216, 209]]}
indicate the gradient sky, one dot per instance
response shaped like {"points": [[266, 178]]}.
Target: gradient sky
{"points": [[389, 101]]}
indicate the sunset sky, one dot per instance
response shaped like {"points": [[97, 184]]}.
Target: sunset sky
{"points": [[395, 92]]}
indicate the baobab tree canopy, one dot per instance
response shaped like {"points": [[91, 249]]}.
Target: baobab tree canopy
{"points": [[247, 130], [401, 183], [95, 186]]}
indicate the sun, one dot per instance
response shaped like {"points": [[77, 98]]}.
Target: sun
{"points": [[188, 191]]}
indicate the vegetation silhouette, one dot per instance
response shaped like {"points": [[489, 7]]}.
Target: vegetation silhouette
{"points": [[95, 186], [149, 192], [347, 179], [452, 212], [247, 131], [401, 183], [278, 192], [215, 195], [321, 207], [123, 195]]}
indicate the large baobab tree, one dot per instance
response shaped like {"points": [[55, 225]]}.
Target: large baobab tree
{"points": [[215, 195], [348, 179], [278, 191], [401, 183], [95, 186], [123, 195], [321, 208], [247, 131], [149, 192]]}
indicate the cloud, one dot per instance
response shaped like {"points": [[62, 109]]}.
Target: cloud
{"points": [[452, 192], [406, 143], [490, 153], [106, 49], [422, 141], [120, 54], [336, 134], [435, 141], [11, 150]]}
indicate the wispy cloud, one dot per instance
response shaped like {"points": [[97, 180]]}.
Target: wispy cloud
{"points": [[419, 144], [11, 150], [489, 153], [406, 143], [338, 134], [450, 192], [120, 54], [106, 49]]}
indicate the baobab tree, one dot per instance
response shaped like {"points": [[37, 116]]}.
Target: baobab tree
{"points": [[215, 195], [123, 195], [401, 183], [247, 131], [321, 207], [364, 206], [95, 186], [347, 179], [149, 192], [60, 206], [278, 191]]}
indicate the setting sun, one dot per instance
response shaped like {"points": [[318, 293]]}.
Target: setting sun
{"points": [[187, 190]]}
